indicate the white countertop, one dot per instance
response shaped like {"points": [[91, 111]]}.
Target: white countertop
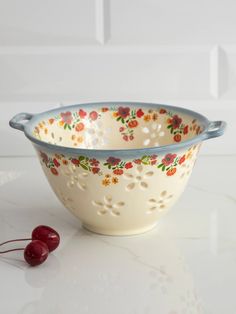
{"points": [[186, 265]]}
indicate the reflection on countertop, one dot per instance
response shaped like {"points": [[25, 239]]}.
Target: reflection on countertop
{"points": [[186, 265]]}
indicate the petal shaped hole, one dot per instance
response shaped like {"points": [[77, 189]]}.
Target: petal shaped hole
{"points": [[130, 186], [128, 176], [52, 135], [160, 202], [140, 168], [162, 206], [152, 208], [60, 139], [81, 186], [149, 174], [146, 142], [144, 185], [145, 130], [138, 178], [163, 193], [102, 212], [170, 196], [152, 201], [97, 203], [108, 206], [70, 184], [119, 204], [108, 198], [83, 175], [115, 213]]}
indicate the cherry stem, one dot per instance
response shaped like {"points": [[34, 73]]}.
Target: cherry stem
{"points": [[15, 241], [20, 249]]}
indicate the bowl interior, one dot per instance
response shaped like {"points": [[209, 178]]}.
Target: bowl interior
{"points": [[124, 126]]}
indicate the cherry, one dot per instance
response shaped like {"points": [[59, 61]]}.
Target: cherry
{"points": [[36, 252], [47, 235]]}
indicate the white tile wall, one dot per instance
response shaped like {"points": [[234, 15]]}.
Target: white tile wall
{"points": [[177, 52]]}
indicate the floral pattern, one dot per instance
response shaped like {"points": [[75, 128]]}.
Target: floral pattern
{"points": [[116, 167], [129, 119]]}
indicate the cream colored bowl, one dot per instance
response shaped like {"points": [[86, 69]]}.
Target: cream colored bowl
{"points": [[118, 167]]}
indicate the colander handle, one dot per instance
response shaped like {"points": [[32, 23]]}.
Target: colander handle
{"points": [[16, 121], [216, 128]]}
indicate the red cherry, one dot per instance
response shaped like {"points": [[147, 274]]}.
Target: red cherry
{"points": [[47, 235], [36, 252]]}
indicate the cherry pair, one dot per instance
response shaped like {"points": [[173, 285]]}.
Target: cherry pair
{"points": [[44, 239]]}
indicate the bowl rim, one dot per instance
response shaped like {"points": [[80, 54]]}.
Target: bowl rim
{"points": [[126, 152]]}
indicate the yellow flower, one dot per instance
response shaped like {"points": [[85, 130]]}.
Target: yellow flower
{"points": [[106, 182], [80, 139], [147, 117], [115, 114], [115, 180], [107, 176], [61, 123]]}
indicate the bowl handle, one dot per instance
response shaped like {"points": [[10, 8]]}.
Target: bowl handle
{"points": [[216, 128], [15, 121]]}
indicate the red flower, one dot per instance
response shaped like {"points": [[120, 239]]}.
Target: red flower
{"points": [[125, 138], [131, 137], [66, 117], [82, 113], [75, 161], [118, 172], [185, 130], [95, 170], [168, 159], [162, 111], [54, 171], [51, 120], [44, 157], [128, 165], [105, 109], [182, 159], [93, 115], [123, 112], [56, 163], [177, 137], [133, 124], [153, 162], [138, 161], [113, 161], [140, 113], [171, 172], [176, 121], [153, 157], [121, 129], [94, 162]]}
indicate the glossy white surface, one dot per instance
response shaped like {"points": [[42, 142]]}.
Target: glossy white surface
{"points": [[187, 265]]}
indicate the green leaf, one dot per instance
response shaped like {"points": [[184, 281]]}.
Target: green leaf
{"points": [[171, 131], [160, 166], [169, 126], [109, 166], [122, 120], [81, 158], [106, 164], [69, 127], [118, 119], [65, 125], [163, 168], [84, 167]]}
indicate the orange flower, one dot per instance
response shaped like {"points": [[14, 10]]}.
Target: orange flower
{"points": [[147, 117], [177, 137], [115, 180], [65, 162], [171, 172], [133, 124], [79, 127], [54, 171], [61, 123], [169, 120], [107, 176], [106, 182], [115, 114], [104, 109]]}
